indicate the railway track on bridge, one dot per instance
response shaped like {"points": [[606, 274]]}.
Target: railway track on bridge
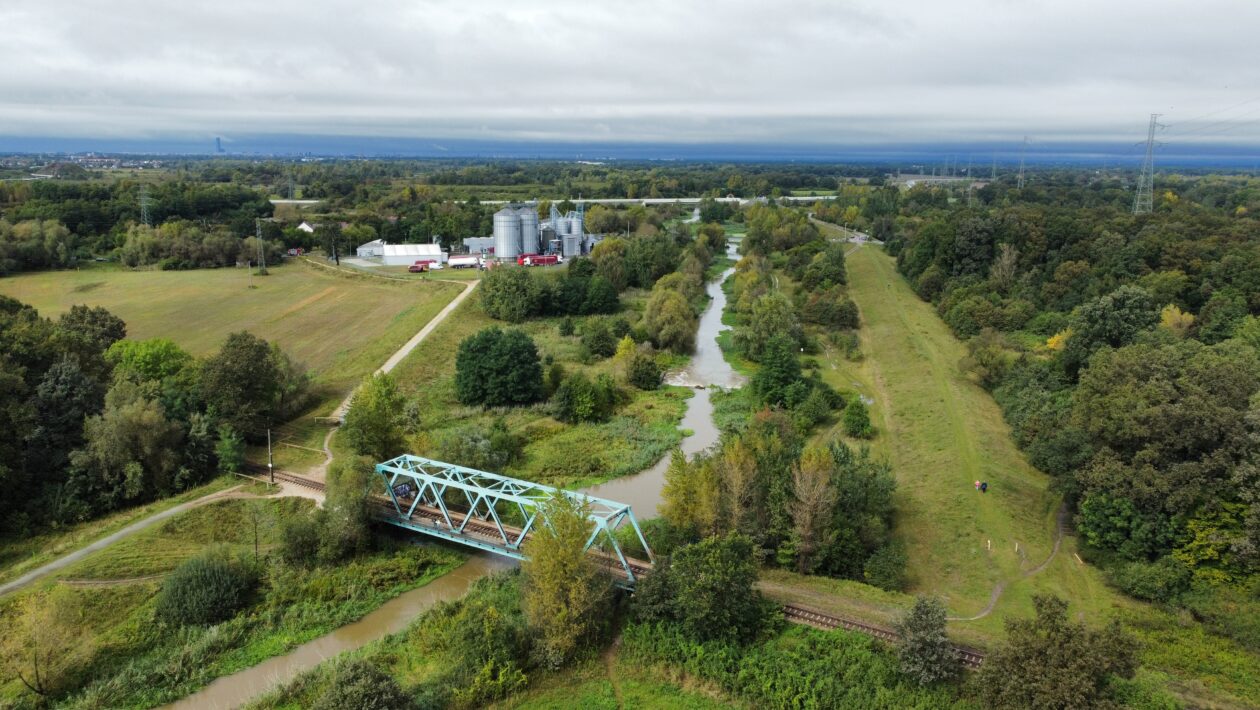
{"points": [[971, 658]]}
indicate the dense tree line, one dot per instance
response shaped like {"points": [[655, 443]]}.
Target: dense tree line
{"points": [[93, 422], [1123, 351], [817, 510]]}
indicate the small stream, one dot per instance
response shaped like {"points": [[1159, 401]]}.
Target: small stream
{"points": [[642, 491]]}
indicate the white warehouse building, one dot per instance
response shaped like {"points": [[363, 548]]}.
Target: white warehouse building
{"points": [[408, 254]]}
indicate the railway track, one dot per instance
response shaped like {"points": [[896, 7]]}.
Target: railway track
{"points": [[970, 658], [284, 477]]}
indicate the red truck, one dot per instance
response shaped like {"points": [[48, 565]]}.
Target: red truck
{"points": [[421, 266], [538, 260]]}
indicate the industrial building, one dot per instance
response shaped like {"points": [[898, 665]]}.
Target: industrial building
{"points": [[370, 250], [408, 254], [517, 231]]}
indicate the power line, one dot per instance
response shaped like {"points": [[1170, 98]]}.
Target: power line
{"points": [[1175, 126]]}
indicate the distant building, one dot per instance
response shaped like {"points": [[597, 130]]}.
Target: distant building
{"points": [[374, 248], [408, 254], [478, 245], [306, 227]]}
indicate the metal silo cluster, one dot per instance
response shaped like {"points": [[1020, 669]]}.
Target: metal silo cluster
{"points": [[517, 231]]}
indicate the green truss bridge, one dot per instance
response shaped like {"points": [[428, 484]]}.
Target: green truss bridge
{"points": [[497, 513]]}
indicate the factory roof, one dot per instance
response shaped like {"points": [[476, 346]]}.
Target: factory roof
{"points": [[412, 250]]}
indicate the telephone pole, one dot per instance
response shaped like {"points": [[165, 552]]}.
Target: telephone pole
{"points": [[1144, 198], [262, 252]]}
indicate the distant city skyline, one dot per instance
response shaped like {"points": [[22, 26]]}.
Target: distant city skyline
{"points": [[854, 75]]}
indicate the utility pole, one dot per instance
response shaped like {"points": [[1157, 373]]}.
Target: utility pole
{"points": [[292, 190], [993, 170], [271, 471], [1020, 182], [1144, 198], [144, 206], [262, 252]]}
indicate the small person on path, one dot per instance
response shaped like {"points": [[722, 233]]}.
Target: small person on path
{"points": [[977, 485], [984, 487]]}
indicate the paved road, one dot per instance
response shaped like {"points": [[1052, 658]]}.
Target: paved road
{"points": [[108, 540]]}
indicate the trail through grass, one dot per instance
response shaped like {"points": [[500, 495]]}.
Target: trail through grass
{"points": [[942, 433]]}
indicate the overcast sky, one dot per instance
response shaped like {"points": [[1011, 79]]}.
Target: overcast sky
{"points": [[794, 72]]}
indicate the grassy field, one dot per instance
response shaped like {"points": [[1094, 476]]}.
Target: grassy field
{"points": [[941, 433], [340, 328], [637, 435], [122, 657]]}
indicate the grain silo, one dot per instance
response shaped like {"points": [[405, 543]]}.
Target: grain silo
{"points": [[507, 234], [529, 230]]}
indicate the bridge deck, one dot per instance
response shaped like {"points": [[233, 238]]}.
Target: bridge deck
{"points": [[481, 533]]}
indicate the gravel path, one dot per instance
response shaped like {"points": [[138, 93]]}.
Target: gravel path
{"points": [[63, 562]]}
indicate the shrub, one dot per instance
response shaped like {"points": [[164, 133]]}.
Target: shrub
{"points": [[1159, 581], [886, 568], [510, 294], [579, 399], [299, 540], [857, 420], [206, 589], [360, 685], [488, 450], [599, 338], [643, 372], [567, 326]]}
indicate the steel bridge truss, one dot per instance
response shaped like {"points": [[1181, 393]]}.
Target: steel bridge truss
{"points": [[421, 491]]}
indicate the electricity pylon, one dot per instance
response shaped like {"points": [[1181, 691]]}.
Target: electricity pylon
{"points": [[144, 206], [1144, 198]]}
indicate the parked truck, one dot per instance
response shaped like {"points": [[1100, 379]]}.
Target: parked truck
{"points": [[539, 260], [422, 266], [464, 262]]}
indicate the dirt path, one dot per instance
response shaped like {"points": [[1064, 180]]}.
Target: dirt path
{"points": [[63, 562], [610, 663], [407, 347], [113, 582], [996, 594]]}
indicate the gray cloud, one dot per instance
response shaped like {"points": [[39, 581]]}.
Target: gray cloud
{"points": [[847, 72]]}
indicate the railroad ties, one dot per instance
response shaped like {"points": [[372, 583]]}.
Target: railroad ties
{"points": [[970, 658]]}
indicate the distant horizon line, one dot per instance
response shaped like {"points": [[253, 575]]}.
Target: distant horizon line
{"points": [[980, 155]]}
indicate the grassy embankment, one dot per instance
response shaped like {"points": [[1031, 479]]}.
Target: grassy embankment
{"points": [[564, 455], [942, 432], [20, 555], [120, 656], [340, 327]]}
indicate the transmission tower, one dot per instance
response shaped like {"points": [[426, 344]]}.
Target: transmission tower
{"points": [[292, 187], [1144, 198], [1024, 149], [144, 206], [993, 169]]}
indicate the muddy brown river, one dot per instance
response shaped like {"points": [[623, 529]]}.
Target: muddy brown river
{"points": [[642, 491]]}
